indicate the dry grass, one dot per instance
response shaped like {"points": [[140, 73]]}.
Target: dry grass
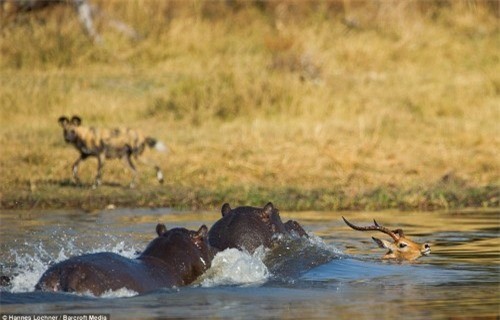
{"points": [[325, 105]]}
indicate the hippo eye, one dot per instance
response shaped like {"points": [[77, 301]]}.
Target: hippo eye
{"points": [[402, 245]]}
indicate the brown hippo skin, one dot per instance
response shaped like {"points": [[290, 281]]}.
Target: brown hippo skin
{"points": [[175, 258], [250, 227]]}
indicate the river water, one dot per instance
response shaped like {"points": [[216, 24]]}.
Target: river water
{"points": [[337, 273]]}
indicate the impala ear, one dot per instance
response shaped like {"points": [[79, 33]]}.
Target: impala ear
{"points": [[399, 232], [382, 243], [160, 229], [225, 209]]}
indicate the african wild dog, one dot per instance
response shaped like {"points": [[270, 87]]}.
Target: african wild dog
{"points": [[104, 143]]}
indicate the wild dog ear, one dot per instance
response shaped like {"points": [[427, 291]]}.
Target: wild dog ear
{"points": [[63, 121], [160, 229], [76, 120], [225, 209], [384, 244]]}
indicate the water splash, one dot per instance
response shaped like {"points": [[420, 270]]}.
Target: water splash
{"points": [[296, 255], [28, 264], [119, 248], [235, 267], [29, 268], [319, 243], [120, 293]]}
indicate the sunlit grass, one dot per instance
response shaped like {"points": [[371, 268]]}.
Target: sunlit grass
{"points": [[282, 102]]}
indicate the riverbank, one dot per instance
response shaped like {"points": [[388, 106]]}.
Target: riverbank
{"points": [[449, 195]]}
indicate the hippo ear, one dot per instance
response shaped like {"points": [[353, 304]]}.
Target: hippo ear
{"points": [[200, 237], [63, 121], [76, 120], [160, 229], [202, 232], [268, 210], [225, 209]]}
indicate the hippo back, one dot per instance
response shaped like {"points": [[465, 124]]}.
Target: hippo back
{"points": [[100, 272]]}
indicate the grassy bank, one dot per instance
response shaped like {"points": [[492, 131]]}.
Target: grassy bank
{"points": [[311, 105]]}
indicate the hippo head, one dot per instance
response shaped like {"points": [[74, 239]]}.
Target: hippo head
{"points": [[246, 227], [189, 250], [268, 215]]}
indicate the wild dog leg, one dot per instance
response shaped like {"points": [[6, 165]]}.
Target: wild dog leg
{"points": [[100, 165], [75, 168], [133, 169]]}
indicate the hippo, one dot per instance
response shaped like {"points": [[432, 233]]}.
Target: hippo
{"points": [[247, 228], [175, 258]]}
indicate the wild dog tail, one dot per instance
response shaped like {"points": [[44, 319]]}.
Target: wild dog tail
{"points": [[158, 145]]}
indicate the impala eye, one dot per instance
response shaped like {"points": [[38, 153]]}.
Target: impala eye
{"points": [[402, 245]]}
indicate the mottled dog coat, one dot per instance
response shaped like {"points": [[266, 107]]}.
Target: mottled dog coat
{"points": [[119, 143]]}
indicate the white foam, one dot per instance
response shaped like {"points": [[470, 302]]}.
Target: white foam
{"points": [[235, 267], [120, 293]]}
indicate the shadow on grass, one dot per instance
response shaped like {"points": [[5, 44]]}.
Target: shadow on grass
{"points": [[68, 183]]}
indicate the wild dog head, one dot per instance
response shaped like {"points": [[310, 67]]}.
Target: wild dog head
{"points": [[69, 128]]}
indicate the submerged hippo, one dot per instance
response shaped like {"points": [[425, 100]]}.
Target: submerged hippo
{"points": [[175, 258], [250, 227]]}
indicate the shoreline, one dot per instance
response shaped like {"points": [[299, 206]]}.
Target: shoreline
{"points": [[443, 197]]}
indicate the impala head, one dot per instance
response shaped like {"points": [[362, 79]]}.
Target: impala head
{"points": [[401, 249]]}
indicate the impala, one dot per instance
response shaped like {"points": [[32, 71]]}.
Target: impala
{"points": [[401, 249]]}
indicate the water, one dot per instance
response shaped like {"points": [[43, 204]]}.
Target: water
{"points": [[335, 274]]}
